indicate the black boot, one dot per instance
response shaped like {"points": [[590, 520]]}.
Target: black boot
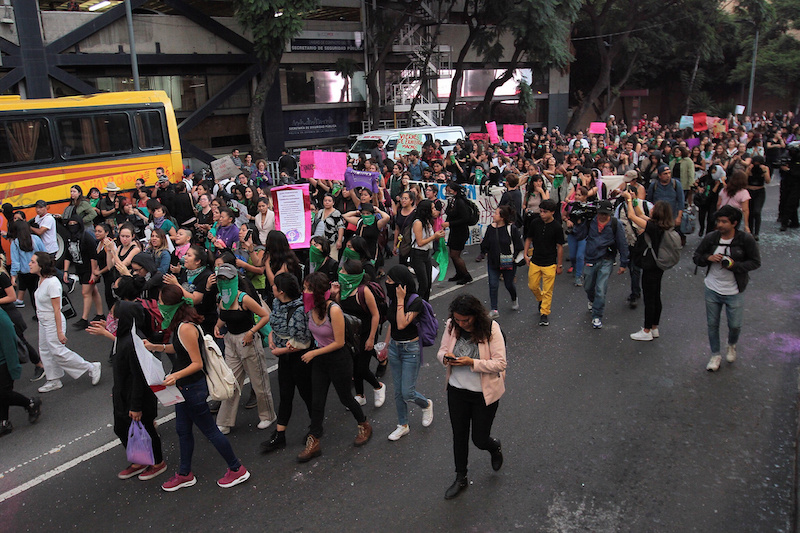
{"points": [[5, 427], [458, 485], [497, 455], [275, 442]]}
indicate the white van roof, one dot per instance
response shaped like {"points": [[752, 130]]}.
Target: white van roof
{"points": [[382, 134]]}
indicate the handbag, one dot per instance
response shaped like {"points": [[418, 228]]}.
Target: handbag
{"points": [[519, 258], [66, 307], [140, 445]]}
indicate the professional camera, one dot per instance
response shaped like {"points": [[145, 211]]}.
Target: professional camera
{"points": [[583, 211]]}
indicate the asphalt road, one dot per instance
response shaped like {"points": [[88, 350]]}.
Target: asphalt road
{"points": [[600, 433]]}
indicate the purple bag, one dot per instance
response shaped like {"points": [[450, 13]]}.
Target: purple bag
{"points": [[427, 323], [140, 445]]}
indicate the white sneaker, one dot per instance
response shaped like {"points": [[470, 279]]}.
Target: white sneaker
{"points": [[654, 332], [731, 355], [494, 314], [51, 385], [380, 395], [642, 335], [264, 424], [597, 323], [515, 305], [427, 414], [361, 400], [95, 372], [224, 429], [713, 364], [19, 304], [589, 305], [401, 431]]}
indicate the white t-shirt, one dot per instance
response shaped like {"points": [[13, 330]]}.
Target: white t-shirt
{"points": [[49, 288], [49, 236], [721, 280]]}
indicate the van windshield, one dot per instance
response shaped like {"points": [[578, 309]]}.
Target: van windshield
{"points": [[363, 145]]}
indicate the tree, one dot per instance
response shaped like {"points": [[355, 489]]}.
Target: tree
{"points": [[272, 23]]}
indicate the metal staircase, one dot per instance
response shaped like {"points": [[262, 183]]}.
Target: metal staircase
{"points": [[427, 61]]}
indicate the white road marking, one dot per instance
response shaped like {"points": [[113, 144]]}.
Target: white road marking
{"points": [[456, 287]]}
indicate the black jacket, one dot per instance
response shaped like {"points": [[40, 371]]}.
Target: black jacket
{"points": [[743, 250]]}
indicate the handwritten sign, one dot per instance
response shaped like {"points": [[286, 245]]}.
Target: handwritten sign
{"points": [[225, 168], [700, 122], [514, 133], [330, 165], [597, 128], [491, 128], [478, 136], [307, 165], [292, 204], [360, 178], [408, 142], [687, 121]]}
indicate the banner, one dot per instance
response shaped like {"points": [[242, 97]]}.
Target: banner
{"points": [[597, 128], [307, 163], [292, 206], [330, 165], [491, 127], [360, 178], [687, 121], [513, 133], [224, 168], [717, 125], [408, 142], [478, 136], [700, 122]]}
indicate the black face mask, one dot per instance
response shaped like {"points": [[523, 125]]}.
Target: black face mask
{"points": [[74, 229], [391, 291]]}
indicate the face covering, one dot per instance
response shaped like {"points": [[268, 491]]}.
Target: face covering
{"points": [[308, 302], [191, 274], [349, 283], [316, 256], [228, 291], [391, 291], [168, 311], [368, 220], [336, 189], [158, 222], [74, 229], [351, 254]]}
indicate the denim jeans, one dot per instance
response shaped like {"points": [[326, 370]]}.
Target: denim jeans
{"points": [[636, 277], [577, 251], [194, 410], [404, 360], [596, 284], [494, 283], [734, 309]]}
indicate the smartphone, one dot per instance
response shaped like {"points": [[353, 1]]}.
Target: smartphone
{"points": [[448, 358], [248, 235]]}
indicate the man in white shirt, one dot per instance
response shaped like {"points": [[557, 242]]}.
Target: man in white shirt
{"points": [[583, 143], [47, 232]]}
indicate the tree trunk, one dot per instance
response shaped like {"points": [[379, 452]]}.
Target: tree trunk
{"points": [[458, 74], [691, 85], [484, 109], [614, 96], [600, 85], [255, 117]]}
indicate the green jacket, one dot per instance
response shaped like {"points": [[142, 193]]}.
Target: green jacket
{"points": [[85, 211], [684, 172]]}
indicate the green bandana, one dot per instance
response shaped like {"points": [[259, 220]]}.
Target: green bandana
{"points": [[228, 290], [347, 253], [191, 274], [349, 283], [558, 179], [316, 256], [93, 202], [168, 311], [368, 220], [336, 189]]}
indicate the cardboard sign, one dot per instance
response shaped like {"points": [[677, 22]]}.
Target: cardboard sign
{"points": [[292, 204], [224, 168], [514, 133], [330, 165], [360, 178], [700, 121], [307, 163], [597, 128], [687, 121], [740, 110], [491, 127], [478, 136], [408, 142]]}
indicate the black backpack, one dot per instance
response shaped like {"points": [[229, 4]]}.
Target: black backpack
{"points": [[474, 212], [352, 332]]}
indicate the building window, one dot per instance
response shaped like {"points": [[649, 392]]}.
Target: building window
{"points": [[324, 87]]}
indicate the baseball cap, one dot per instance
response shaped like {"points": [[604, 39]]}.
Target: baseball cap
{"points": [[226, 271], [162, 179], [630, 176], [662, 167], [187, 172], [40, 203], [604, 206]]}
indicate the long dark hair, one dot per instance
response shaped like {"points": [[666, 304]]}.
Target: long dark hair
{"points": [[21, 231], [425, 214], [80, 197], [280, 253], [319, 284], [469, 305], [288, 283], [172, 294], [359, 245]]}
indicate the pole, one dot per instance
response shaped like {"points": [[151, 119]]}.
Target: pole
{"points": [[752, 76], [134, 61]]}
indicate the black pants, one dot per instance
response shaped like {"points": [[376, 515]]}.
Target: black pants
{"points": [[362, 372], [108, 281], [421, 263], [651, 289], [468, 407], [122, 422], [8, 396], [705, 217], [292, 372], [789, 199], [337, 368], [757, 199], [19, 328], [28, 282]]}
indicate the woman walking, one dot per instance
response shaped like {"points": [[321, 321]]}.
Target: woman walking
{"points": [[10, 371], [182, 321], [331, 362], [474, 352], [457, 217], [501, 244], [56, 357], [735, 193], [758, 175], [654, 226], [81, 253], [405, 348], [423, 237]]}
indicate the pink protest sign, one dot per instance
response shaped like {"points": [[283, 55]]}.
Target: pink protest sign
{"points": [[292, 204], [597, 128], [330, 165], [307, 163], [513, 133], [491, 128], [478, 136], [700, 121]]}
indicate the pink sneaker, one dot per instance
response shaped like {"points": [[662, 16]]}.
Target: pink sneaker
{"points": [[132, 470], [178, 481], [232, 478]]}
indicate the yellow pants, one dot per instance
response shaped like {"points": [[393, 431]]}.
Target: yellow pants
{"points": [[546, 277]]}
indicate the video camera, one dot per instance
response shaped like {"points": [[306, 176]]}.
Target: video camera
{"points": [[583, 211]]}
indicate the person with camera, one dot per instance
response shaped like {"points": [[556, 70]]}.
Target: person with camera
{"points": [[790, 189], [729, 254], [606, 238]]}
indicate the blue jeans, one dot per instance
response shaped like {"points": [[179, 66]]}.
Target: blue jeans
{"points": [[194, 410], [734, 309], [494, 283], [577, 249], [404, 360], [636, 277], [596, 284]]}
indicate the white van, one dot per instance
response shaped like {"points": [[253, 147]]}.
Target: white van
{"points": [[447, 135]]}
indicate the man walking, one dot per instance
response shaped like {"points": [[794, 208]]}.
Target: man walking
{"points": [[606, 238], [669, 190], [547, 239]]}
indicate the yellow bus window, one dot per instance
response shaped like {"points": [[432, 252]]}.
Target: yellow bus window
{"points": [[149, 131], [25, 140], [94, 134]]}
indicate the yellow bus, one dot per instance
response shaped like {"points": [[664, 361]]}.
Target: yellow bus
{"points": [[48, 145]]}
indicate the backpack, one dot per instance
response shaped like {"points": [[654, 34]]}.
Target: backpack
{"points": [[474, 212], [426, 322], [155, 319], [221, 382], [352, 332], [689, 220], [380, 300], [406, 237], [669, 252]]}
